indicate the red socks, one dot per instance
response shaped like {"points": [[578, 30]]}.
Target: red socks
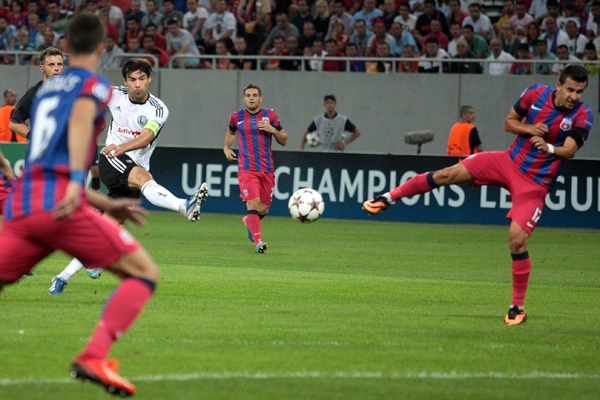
{"points": [[253, 223], [120, 311], [419, 184], [521, 267]]}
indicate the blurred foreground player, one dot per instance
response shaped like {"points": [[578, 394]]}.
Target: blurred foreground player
{"points": [[47, 208], [556, 125], [256, 170]]}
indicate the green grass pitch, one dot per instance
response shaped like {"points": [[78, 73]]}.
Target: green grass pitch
{"points": [[334, 310]]}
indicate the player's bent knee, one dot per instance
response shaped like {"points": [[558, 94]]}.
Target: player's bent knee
{"points": [[137, 264]]}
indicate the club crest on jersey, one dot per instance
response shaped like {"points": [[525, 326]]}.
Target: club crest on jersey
{"points": [[142, 120], [565, 124], [266, 119]]}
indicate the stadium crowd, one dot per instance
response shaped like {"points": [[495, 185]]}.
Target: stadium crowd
{"points": [[503, 33]]}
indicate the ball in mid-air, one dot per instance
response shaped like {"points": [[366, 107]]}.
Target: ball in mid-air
{"points": [[313, 139], [306, 205]]}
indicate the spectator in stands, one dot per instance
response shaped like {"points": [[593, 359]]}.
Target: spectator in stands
{"points": [[57, 18], [553, 10], [465, 67], [423, 26], [580, 12], [538, 10], [591, 27], [23, 44], [432, 50], [408, 66], [8, 34], [383, 51], [111, 54], [509, 39], [463, 139], [455, 35], [577, 41], [563, 54], [303, 15], [289, 62], [339, 12], [133, 30], [457, 14], [389, 12], [180, 41], [149, 47], [331, 49], [309, 35], [115, 15], [321, 17], [379, 29], [91, 6], [255, 17], [567, 12], [109, 28], [590, 54], [318, 51], [282, 28], [367, 13], [508, 10], [33, 8], [541, 53], [241, 49], [340, 35], [220, 25], [436, 32], [406, 19], [277, 50], [531, 36], [522, 68], [194, 19], [480, 22], [361, 35], [401, 39], [168, 13], [136, 10], [355, 65], [554, 36], [135, 45], [221, 63], [50, 39], [498, 68], [477, 44], [159, 40], [17, 17], [36, 30], [521, 18], [152, 16]]}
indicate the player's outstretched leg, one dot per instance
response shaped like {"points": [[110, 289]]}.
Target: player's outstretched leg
{"points": [[60, 281], [379, 203], [261, 247], [194, 202], [247, 229]]}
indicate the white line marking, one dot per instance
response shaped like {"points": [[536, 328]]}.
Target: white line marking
{"points": [[320, 375]]}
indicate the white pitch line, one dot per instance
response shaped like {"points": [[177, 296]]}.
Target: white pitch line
{"points": [[319, 375]]}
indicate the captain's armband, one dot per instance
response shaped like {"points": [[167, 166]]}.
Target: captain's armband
{"points": [[153, 126]]}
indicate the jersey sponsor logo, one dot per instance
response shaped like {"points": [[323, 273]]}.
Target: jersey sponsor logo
{"points": [[126, 131], [566, 124], [142, 120], [241, 122], [266, 119], [533, 107]]}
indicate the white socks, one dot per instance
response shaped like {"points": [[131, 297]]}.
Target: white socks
{"points": [[161, 197], [388, 196], [74, 267]]}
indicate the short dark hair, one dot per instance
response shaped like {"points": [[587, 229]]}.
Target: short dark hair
{"points": [[252, 86], [469, 27], [432, 40], [136, 64], [590, 46], [574, 72], [84, 33], [172, 21], [50, 51]]}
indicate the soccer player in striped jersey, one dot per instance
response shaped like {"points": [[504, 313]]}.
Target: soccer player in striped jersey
{"points": [[49, 209], [256, 171], [551, 124], [137, 120]]}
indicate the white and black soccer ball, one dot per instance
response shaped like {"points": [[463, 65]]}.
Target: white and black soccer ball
{"points": [[313, 139], [306, 205]]}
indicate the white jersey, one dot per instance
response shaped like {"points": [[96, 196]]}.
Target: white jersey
{"points": [[128, 120]]}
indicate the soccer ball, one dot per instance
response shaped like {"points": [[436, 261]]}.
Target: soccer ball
{"points": [[313, 139], [306, 205]]}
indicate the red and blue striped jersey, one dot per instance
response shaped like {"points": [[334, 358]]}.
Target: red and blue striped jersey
{"points": [[44, 178], [536, 104], [254, 145]]}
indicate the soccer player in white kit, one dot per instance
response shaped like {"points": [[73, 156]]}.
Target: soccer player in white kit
{"points": [[137, 119]]}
